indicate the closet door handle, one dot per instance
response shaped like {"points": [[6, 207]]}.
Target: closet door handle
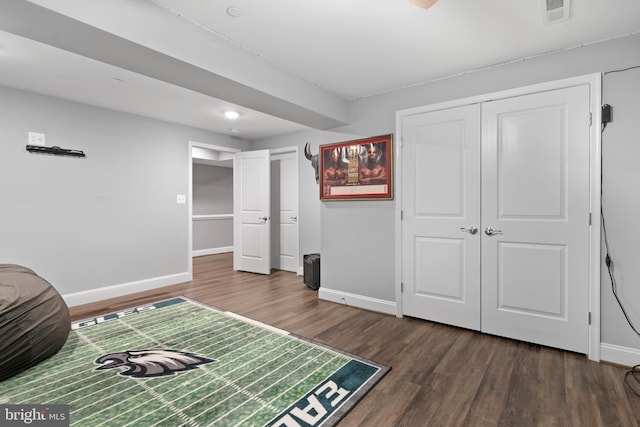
{"points": [[491, 232], [470, 230]]}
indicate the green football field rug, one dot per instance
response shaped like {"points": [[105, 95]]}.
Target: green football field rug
{"points": [[180, 363]]}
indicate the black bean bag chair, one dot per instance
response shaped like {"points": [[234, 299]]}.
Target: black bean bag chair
{"points": [[34, 320]]}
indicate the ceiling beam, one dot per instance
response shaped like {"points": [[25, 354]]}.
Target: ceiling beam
{"points": [[312, 106]]}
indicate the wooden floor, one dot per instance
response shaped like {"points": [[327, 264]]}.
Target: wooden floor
{"points": [[440, 375]]}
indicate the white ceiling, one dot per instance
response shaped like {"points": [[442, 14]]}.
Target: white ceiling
{"points": [[284, 64]]}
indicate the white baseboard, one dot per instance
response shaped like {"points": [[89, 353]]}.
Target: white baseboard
{"points": [[212, 251], [98, 294], [620, 355], [367, 303]]}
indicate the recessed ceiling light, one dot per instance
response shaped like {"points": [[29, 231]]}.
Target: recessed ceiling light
{"points": [[234, 131], [115, 79], [231, 115], [234, 12], [425, 4]]}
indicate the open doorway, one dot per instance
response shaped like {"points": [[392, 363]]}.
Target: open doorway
{"points": [[210, 200], [211, 222]]}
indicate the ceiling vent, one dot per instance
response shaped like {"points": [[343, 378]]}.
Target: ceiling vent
{"points": [[554, 11]]}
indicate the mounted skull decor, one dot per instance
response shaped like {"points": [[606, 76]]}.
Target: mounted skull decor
{"points": [[313, 159]]}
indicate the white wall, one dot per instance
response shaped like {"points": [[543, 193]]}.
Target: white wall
{"points": [[100, 226]]}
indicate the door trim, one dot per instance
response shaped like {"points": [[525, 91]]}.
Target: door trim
{"points": [[594, 81]]}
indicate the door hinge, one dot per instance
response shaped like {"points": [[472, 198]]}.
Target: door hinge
{"points": [[401, 215], [401, 287], [589, 317], [589, 219], [590, 119]]}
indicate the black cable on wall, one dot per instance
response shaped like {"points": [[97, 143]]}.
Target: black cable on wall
{"points": [[632, 377]]}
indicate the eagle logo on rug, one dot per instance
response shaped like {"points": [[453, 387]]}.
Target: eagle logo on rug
{"points": [[151, 363]]}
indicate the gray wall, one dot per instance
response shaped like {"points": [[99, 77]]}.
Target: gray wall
{"points": [[212, 190], [112, 218], [212, 236], [365, 265], [212, 195], [108, 219], [621, 205], [376, 115]]}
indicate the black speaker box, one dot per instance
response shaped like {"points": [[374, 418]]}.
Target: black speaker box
{"points": [[311, 276]]}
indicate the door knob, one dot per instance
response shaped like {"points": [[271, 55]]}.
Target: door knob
{"points": [[263, 219], [490, 231], [293, 218], [470, 230]]}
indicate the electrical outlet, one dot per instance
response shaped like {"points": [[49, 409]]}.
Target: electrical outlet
{"points": [[181, 199], [36, 138]]}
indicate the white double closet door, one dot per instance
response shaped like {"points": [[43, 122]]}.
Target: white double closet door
{"points": [[495, 229]]}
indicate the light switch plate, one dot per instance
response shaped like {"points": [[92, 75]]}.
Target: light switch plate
{"points": [[181, 199]]}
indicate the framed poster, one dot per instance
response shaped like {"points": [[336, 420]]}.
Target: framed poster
{"points": [[360, 169]]}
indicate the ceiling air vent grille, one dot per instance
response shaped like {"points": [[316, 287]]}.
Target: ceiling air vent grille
{"points": [[554, 11]]}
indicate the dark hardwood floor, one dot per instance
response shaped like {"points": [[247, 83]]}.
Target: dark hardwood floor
{"points": [[440, 375]]}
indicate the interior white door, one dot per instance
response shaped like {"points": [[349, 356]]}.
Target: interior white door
{"points": [[284, 202], [535, 198], [441, 216], [252, 211]]}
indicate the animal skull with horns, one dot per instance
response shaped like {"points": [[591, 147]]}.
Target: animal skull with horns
{"points": [[313, 159]]}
